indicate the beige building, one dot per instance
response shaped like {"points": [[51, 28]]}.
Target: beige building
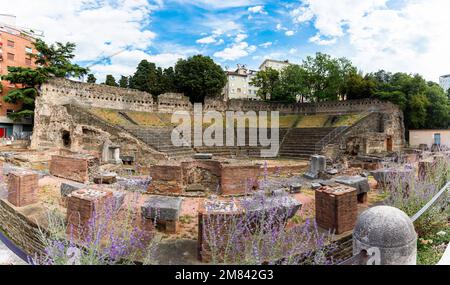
{"points": [[429, 137], [274, 64], [238, 84]]}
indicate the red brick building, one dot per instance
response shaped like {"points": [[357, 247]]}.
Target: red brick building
{"points": [[16, 44]]}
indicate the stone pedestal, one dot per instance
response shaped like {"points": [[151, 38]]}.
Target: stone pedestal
{"points": [[164, 211], [336, 208], [82, 205], [216, 219], [22, 188]]}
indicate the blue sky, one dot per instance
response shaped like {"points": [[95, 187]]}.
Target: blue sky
{"points": [[397, 35]]}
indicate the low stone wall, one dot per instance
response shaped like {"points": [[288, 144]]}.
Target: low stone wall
{"points": [[204, 176], [19, 229]]}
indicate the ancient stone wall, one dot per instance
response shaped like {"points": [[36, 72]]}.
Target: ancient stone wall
{"points": [[23, 232], [63, 92], [69, 127]]}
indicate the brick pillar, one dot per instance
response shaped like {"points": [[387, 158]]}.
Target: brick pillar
{"points": [[336, 208], [82, 205], [22, 188]]}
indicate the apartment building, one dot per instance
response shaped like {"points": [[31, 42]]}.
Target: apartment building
{"points": [[444, 82], [16, 45], [239, 84], [274, 64]]}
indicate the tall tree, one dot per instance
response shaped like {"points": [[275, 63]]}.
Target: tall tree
{"points": [[199, 77], [52, 61], [325, 77], [123, 82], [292, 79], [269, 84], [111, 81], [91, 78]]}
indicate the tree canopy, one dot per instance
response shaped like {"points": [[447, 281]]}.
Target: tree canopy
{"points": [[199, 77], [52, 61]]}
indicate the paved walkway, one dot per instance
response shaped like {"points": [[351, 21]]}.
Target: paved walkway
{"points": [[7, 257]]}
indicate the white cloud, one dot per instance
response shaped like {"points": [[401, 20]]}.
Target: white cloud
{"points": [[410, 36], [240, 37], [266, 45], [220, 4], [126, 63], [99, 28], [319, 40], [257, 10], [289, 33], [235, 51], [207, 40], [293, 51]]}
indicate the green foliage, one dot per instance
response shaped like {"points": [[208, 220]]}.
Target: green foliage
{"points": [[199, 77], [56, 59], [51, 61], [91, 79], [111, 81], [152, 79], [325, 77], [269, 84], [425, 105], [123, 82], [292, 83]]}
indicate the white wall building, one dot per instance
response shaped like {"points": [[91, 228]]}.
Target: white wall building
{"points": [[444, 81], [274, 64], [238, 84]]}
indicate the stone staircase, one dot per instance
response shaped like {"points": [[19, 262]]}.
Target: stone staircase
{"points": [[161, 140], [239, 151], [300, 143]]}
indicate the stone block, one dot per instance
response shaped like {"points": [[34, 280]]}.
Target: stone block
{"points": [[22, 188], [361, 184], [68, 187], [162, 208], [284, 206], [315, 185], [82, 205], [336, 208], [216, 218], [105, 178], [386, 176], [75, 168], [203, 156], [295, 188], [238, 180], [119, 199]]}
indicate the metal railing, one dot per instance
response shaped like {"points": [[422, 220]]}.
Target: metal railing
{"points": [[361, 258], [337, 133]]}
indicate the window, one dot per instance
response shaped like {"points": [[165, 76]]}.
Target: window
{"points": [[10, 56], [9, 112], [10, 43], [28, 61], [232, 90], [239, 90], [28, 50]]}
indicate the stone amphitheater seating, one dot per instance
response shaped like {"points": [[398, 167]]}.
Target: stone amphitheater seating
{"points": [[298, 134]]}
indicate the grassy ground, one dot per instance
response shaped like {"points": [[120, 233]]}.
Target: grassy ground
{"points": [[430, 249]]}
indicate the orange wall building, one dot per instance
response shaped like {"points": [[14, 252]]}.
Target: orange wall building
{"points": [[16, 44]]}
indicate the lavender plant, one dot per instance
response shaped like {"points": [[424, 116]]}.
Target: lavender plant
{"points": [[112, 236], [410, 193], [259, 234]]}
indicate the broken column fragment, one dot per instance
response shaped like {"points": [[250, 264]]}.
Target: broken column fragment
{"points": [[318, 166]]}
